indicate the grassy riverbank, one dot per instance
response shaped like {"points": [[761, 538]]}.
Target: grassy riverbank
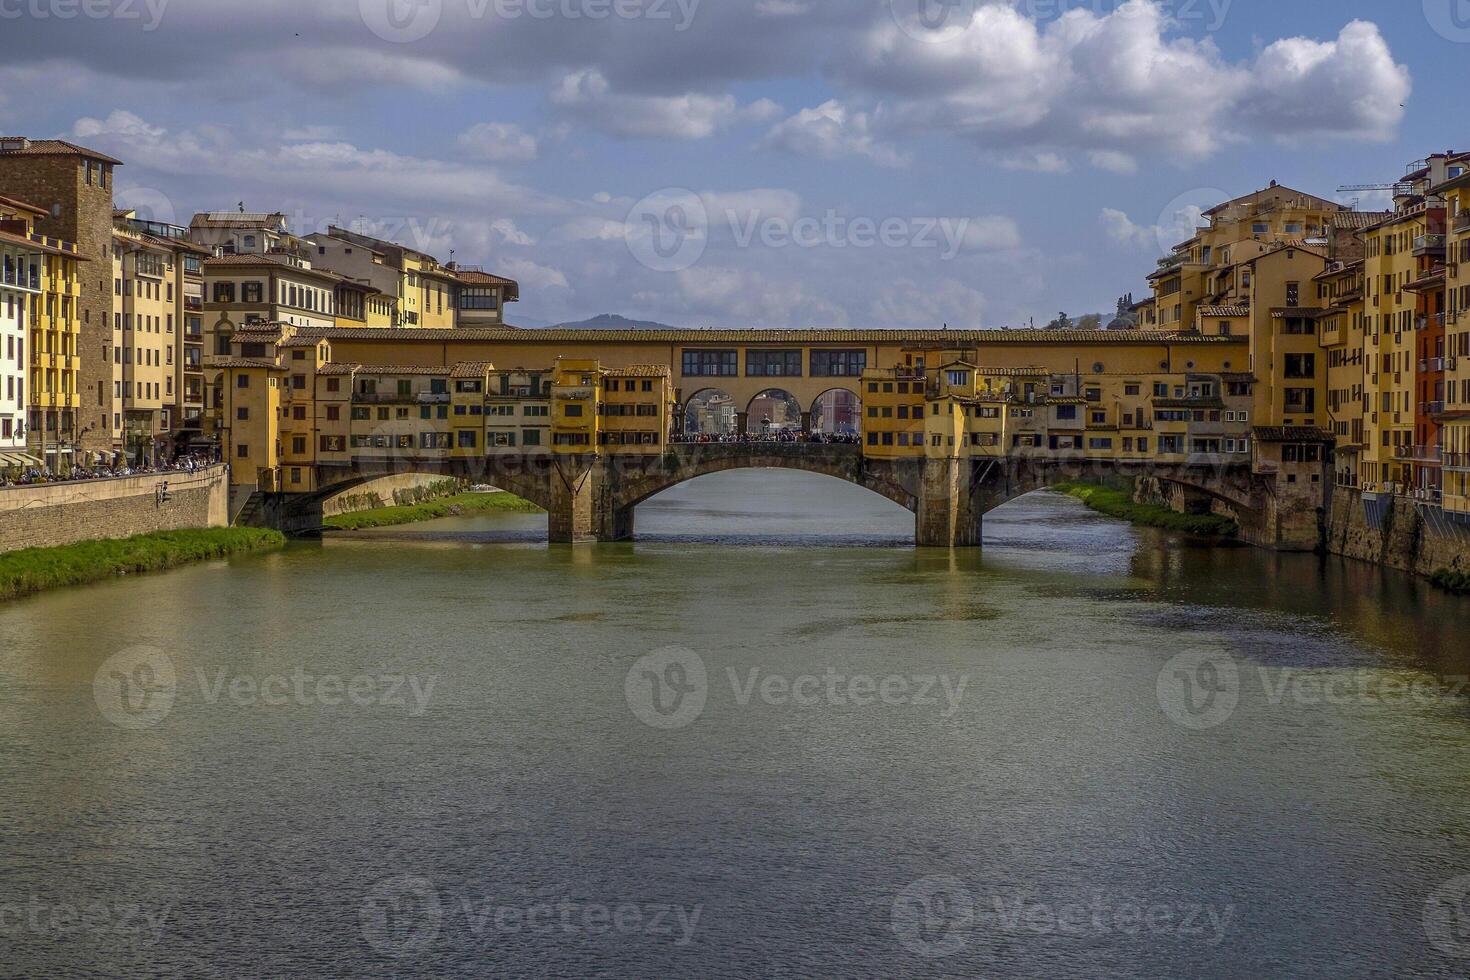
{"points": [[1456, 582], [459, 505], [38, 569], [1120, 504]]}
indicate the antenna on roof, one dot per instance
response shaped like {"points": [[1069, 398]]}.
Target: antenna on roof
{"points": [[241, 206]]}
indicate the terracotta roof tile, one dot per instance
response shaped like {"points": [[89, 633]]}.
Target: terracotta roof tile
{"points": [[766, 336], [230, 361], [1295, 433], [52, 148], [471, 369]]}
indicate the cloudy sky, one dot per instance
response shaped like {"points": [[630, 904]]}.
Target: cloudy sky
{"points": [[747, 162]]}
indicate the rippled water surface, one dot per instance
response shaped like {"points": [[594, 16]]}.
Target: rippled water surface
{"points": [[768, 739]]}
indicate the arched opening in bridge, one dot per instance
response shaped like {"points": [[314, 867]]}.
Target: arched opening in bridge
{"points": [[774, 412], [837, 412], [711, 412], [758, 505]]}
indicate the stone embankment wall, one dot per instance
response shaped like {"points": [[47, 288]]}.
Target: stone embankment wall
{"points": [[55, 514], [390, 491], [1397, 532]]}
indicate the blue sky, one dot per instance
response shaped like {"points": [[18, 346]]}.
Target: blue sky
{"points": [[747, 162]]}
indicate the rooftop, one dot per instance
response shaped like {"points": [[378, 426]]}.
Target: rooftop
{"points": [[21, 146], [946, 338]]}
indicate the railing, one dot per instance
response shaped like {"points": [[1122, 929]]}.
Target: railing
{"points": [[383, 399], [1425, 244], [1462, 221], [1420, 454], [20, 279], [434, 398], [1457, 461], [1434, 408]]}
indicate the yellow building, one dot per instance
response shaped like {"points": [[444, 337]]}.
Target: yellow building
{"points": [[1455, 192], [157, 336], [1340, 335], [1200, 270], [53, 288]]}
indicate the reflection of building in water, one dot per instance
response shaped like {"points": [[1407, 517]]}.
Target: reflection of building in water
{"points": [[711, 413], [836, 413], [773, 409]]}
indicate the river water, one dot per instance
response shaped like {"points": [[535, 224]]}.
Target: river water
{"points": [[768, 739]]}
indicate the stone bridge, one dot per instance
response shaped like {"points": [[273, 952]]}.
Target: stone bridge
{"points": [[592, 498]]}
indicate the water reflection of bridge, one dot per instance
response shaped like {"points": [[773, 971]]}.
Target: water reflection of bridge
{"points": [[593, 498]]}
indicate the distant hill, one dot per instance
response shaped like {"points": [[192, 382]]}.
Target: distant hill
{"points": [[611, 321]]}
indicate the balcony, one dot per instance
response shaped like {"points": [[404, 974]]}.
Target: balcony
{"points": [[1462, 221], [1429, 245], [433, 398], [1419, 454], [194, 304], [20, 279], [1434, 408]]}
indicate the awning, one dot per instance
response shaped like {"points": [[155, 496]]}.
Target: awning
{"points": [[18, 459]]}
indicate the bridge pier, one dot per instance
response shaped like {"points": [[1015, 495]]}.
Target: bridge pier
{"points": [[947, 515]]}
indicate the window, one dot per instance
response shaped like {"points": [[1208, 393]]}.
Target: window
{"points": [[251, 292], [531, 437], [574, 411], [839, 363], [773, 363], [1066, 412], [242, 450], [1301, 366], [468, 438], [242, 381], [711, 363]]}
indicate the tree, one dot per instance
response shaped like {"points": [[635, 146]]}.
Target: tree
{"points": [[1062, 322], [1092, 321]]}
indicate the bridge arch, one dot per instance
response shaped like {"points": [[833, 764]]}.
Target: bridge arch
{"points": [[771, 409], [899, 485], [711, 411], [836, 411]]}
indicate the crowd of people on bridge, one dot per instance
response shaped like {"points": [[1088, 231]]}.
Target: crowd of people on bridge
{"points": [[781, 436], [117, 468]]}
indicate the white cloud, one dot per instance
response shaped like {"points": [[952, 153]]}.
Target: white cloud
{"points": [[929, 305], [1348, 88], [530, 274], [831, 131], [499, 143], [1121, 229], [587, 95], [1113, 161], [1109, 86]]}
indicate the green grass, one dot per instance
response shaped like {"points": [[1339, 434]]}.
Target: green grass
{"points": [[1457, 582], [1119, 504], [458, 505], [37, 569]]}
